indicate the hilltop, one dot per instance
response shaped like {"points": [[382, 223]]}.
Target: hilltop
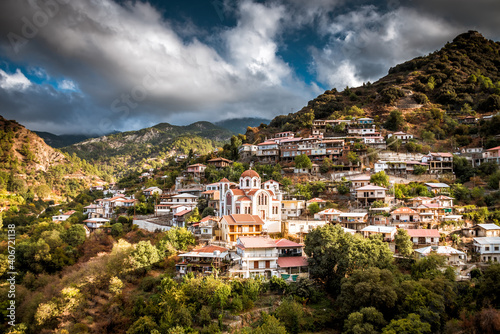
{"points": [[239, 125], [28, 166], [150, 146], [460, 79]]}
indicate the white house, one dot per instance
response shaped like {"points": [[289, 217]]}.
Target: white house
{"points": [[488, 248], [259, 257], [387, 232], [404, 137], [292, 208], [453, 256], [63, 216], [331, 215], [423, 236], [151, 191], [488, 230]]}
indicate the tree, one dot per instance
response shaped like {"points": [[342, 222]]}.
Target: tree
{"points": [[75, 235], [303, 161], [403, 243], [334, 254], [314, 208], [270, 325], [353, 157], [290, 313], [144, 255], [367, 321], [117, 230], [42, 191], [409, 325], [143, 325], [489, 285], [395, 121], [372, 287], [194, 216], [179, 238], [208, 211], [380, 179]]}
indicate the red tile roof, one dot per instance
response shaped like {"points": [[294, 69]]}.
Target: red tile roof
{"points": [[238, 192], [292, 261], [243, 219], [416, 233], [250, 173], [404, 210], [316, 199], [182, 213], [286, 243], [209, 249], [257, 242], [244, 199]]}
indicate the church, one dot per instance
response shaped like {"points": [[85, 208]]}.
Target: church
{"points": [[251, 197]]}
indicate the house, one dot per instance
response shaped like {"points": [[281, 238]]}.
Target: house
{"points": [[424, 236], [196, 169], [360, 181], [63, 216], [368, 194], [365, 120], [234, 226], [292, 208], [151, 191], [379, 216], [258, 257], [180, 217], [205, 260], [404, 137], [439, 163], [300, 227], [387, 232], [488, 248], [95, 223], [321, 202], [354, 220], [247, 150], [313, 170], [487, 230], [268, 152], [220, 163], [206, 228], [405, 216], [331, 215], [291, 261], [453, 256], [438, 188]]}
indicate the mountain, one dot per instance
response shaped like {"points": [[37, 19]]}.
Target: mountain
{"points": [[150, 146], [432, 92], [27, 161], [240, 125], [58, 141]]}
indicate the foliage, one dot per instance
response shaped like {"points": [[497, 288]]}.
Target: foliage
{"points": [[367, 321], [178, 238], [410, 325], [334, 254], [144, 255], [303, 161], [290, 313], [395, 121], [404, 245], [313, 208], [380, 179]]}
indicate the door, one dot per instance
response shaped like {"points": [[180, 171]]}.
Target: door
{"points": [[268, 264], [255, 264]]}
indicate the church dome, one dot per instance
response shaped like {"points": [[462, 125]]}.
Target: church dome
{"points": [[250, 173]]}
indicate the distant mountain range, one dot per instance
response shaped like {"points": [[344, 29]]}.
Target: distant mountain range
{"points": [[240, 125], [151, 145]]}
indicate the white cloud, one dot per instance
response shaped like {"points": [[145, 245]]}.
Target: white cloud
{"points": [[15, 81], [67, 85], [365, 43]]}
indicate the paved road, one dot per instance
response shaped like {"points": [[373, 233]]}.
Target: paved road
{"points": [[150, 226]]}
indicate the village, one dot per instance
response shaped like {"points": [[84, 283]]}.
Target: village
{"points": [[257, 228]]}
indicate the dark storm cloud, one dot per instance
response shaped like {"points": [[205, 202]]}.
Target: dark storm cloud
{"points": [[106, 66]]}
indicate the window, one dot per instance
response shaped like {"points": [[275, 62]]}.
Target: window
{"points": [[255, 183], [486, 248], [248, 183]]}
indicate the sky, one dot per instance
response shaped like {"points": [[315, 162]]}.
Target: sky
{"points": [[97, 66]]}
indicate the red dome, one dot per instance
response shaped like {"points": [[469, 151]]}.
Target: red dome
{"points": [[250, 173], [224, 180]]}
